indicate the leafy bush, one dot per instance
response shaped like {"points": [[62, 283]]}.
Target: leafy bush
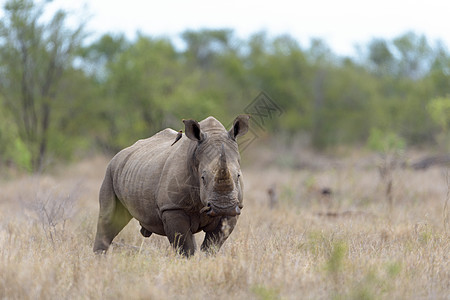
{"points": [[385, 141]]}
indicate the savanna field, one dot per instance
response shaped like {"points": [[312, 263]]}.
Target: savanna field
{"points": [[331, 228], [352, 219]]}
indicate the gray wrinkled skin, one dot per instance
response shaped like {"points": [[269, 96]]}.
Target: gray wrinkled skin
{"points": [[178, 190]]}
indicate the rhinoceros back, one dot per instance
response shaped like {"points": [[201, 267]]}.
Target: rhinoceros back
{"points": [[136, 172]]}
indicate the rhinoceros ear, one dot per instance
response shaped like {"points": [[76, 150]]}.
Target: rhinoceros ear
{"points": [[193, 131], [240, 126]]}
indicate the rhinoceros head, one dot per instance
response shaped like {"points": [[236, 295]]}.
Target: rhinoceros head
{"points": [[216, 162]]}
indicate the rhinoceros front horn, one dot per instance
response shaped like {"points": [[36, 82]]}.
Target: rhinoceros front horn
{"points": [[223, 177]]}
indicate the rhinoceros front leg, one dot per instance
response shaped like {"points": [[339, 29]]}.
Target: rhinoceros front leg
{"points": [[177, 226], [214, 239]]}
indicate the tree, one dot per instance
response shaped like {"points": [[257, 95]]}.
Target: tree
{"points": [[99, 54], [35, 56], [415, 55], [439, 109], [381, 57], [139, 82], [204, 45]]}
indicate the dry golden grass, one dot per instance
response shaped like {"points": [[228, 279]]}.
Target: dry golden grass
{"points": [[350, 244]]}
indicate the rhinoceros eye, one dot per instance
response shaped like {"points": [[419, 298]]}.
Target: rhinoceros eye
{"points": [[203, 179]]}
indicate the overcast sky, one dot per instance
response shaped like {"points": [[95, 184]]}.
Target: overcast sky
{"points": [[341, 23]]}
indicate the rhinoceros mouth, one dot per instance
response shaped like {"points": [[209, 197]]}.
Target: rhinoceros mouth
{"points": [[213, 211]]}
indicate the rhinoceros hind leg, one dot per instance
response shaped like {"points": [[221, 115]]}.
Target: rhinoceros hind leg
{"points": [[109, 226], [113, 217]]}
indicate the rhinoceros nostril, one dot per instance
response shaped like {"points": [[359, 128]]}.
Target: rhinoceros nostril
{"points": [[207, 208]]}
